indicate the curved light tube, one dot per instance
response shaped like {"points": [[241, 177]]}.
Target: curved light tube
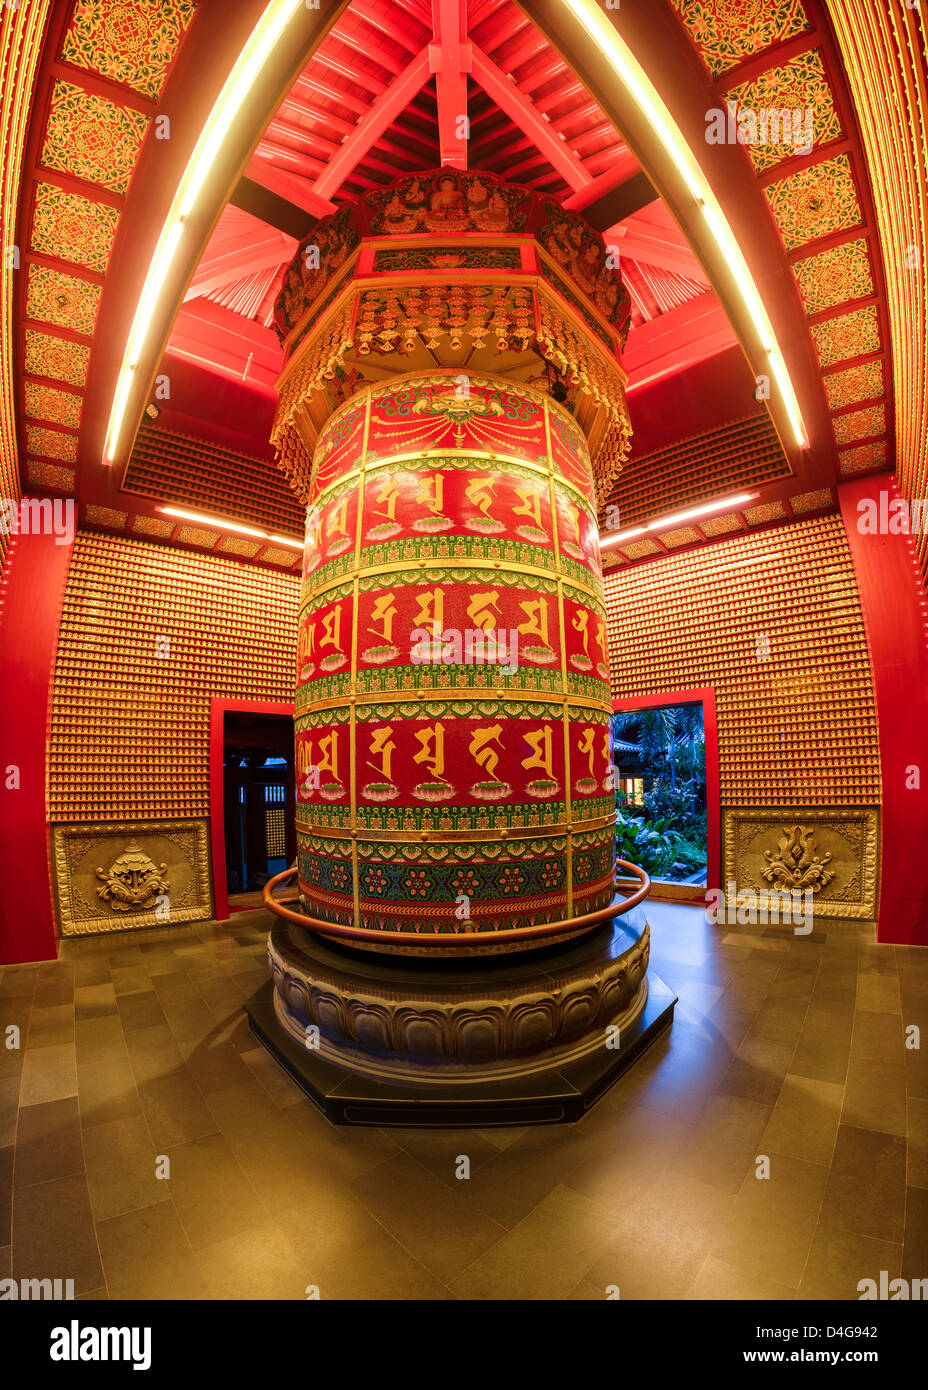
{"points": [[261, 43], [641, 89]]}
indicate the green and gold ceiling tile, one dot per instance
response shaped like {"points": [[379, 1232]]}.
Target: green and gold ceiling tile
{"points": [[683, 535], [636, 550], [57, 358], [274, 556], [815, 202], [197, 535], [811, 501], [860, 383], [859, 424], [834, 276], [720, 525], [726, 32], [51, 443], [51, 475], [45, 403], [764, 511], [105, 516], [152, 526], [92, 138], [129, 41], [848, 335], [54, 297], [237, 545], [73, 228], [792, 104], [862, 457]]}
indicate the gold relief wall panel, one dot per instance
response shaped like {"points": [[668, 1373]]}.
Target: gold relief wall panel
{"points": [[129, 874], [149, 634], [772, 622], [831, 854]]}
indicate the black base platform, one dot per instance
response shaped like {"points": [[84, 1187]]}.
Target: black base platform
{"points": [[555, 1097]]}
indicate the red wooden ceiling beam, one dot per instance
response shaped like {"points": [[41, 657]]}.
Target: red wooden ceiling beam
{"points": [[298, 191], [352, 37], [623, 165], [450, 60], [346, 68], [497, 31], [394, 99], [526, 117], [377, 17], [678, 339], [637, 239]]}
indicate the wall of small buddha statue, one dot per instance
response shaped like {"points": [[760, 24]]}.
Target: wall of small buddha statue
{"points": [[772, 624]]}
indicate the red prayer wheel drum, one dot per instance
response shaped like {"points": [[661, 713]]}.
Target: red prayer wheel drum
{"points": [[453, 705]]}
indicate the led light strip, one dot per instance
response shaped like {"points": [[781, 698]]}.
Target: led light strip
{"points": [[661, 523], [640, 88], [223, 525], [261, 43]]}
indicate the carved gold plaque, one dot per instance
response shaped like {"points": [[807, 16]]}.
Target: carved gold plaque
{"points": [[118, 875], [830, 852]]}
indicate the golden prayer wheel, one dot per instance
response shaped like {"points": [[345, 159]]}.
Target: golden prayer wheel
{"points": [[452, 714]]}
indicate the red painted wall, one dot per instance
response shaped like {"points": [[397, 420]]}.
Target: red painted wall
{"points": [[31, 591], [895, 609]]}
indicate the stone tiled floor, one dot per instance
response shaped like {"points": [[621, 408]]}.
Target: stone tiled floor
{"points": [[136, 1047]]}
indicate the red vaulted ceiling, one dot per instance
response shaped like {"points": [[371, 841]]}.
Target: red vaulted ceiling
{"points": [[382, 95]]}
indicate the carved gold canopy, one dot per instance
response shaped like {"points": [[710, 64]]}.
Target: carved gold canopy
{"points": [[456, 270]]}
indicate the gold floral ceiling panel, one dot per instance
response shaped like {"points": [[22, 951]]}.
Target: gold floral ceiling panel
{"points": [[862, 458], [45, 403], [775, 63], [92, 138], [41, 473], [726, 32], [847, 335], [815, 202], [56, 358], [128, 41], [73, 228], [834, 276], [54, 297], [799, 87], [861, 383], [92, 131], [860, 424], [51, 443], [813, 501]]}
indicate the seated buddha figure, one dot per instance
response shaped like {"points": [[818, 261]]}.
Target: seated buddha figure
{"points": [[447, 209]]}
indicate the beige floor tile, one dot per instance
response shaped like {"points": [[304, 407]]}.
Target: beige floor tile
{"points": [[49, 1073]]}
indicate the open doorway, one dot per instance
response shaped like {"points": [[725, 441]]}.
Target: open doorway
{"points": [[665, 772], [258, 793]]}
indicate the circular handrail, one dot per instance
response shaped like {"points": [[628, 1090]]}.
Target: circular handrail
{"points": [[538, 932]]}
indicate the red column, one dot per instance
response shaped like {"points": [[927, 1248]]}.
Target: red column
{"points": [[31, 592], [895, 610]]}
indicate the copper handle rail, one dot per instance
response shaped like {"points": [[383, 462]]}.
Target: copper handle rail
{"points": [[539, 932]]}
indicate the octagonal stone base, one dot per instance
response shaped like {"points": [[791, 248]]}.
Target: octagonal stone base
{"points": [[531, 1039]]}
